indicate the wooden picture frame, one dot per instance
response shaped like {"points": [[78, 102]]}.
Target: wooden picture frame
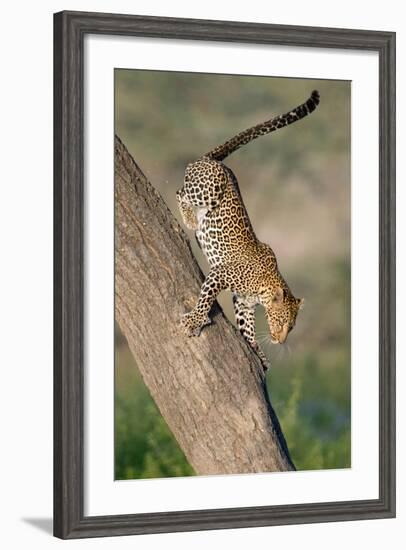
{"points": [[70, 29]]}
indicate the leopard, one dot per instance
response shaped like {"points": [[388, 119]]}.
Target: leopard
{"points": [[211, 204]]}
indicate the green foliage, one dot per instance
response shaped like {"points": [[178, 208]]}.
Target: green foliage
{"points": [[313, 410], [144, 446]]}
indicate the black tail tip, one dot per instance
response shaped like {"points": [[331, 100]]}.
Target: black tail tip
{"points": [[313, 101], [315, 97]]}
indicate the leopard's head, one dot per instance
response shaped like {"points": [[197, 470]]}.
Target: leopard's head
{"points": [[281, 310]]}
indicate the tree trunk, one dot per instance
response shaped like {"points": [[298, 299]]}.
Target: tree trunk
{"points": [[210, 389]]}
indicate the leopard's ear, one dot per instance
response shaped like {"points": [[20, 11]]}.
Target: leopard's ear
{"points": [[277, 297], [300, 303]]}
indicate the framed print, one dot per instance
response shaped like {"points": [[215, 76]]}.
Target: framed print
{"points": [[224, 298]]}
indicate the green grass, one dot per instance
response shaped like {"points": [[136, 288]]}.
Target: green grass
{"points": [[144, 445], [313, 407]]}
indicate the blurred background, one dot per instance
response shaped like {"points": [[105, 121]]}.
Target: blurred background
{"points": [[296, 186]]}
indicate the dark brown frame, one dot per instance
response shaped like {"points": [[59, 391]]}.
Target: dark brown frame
{"points": [[69, 31]]}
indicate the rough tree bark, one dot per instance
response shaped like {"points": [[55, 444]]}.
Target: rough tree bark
{"points": [[210, 389]]}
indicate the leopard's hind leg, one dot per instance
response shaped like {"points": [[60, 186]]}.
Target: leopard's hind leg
{"points": [[203, 187]]}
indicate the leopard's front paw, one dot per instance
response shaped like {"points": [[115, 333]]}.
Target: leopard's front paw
{"points": [[266, 364], [192, 323]]}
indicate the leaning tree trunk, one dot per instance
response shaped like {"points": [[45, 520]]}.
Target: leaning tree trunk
{"points": [[210, 389]]}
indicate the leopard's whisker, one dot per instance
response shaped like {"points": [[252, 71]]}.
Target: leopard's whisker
{"points": [[268, 343], [265, 340], [262, 333], [262, 338]]}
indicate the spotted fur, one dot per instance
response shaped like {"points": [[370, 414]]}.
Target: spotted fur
{"points": [[211, 204]]}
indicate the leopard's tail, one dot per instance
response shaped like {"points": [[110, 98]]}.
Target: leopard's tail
{"points": [[222, 151]]}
